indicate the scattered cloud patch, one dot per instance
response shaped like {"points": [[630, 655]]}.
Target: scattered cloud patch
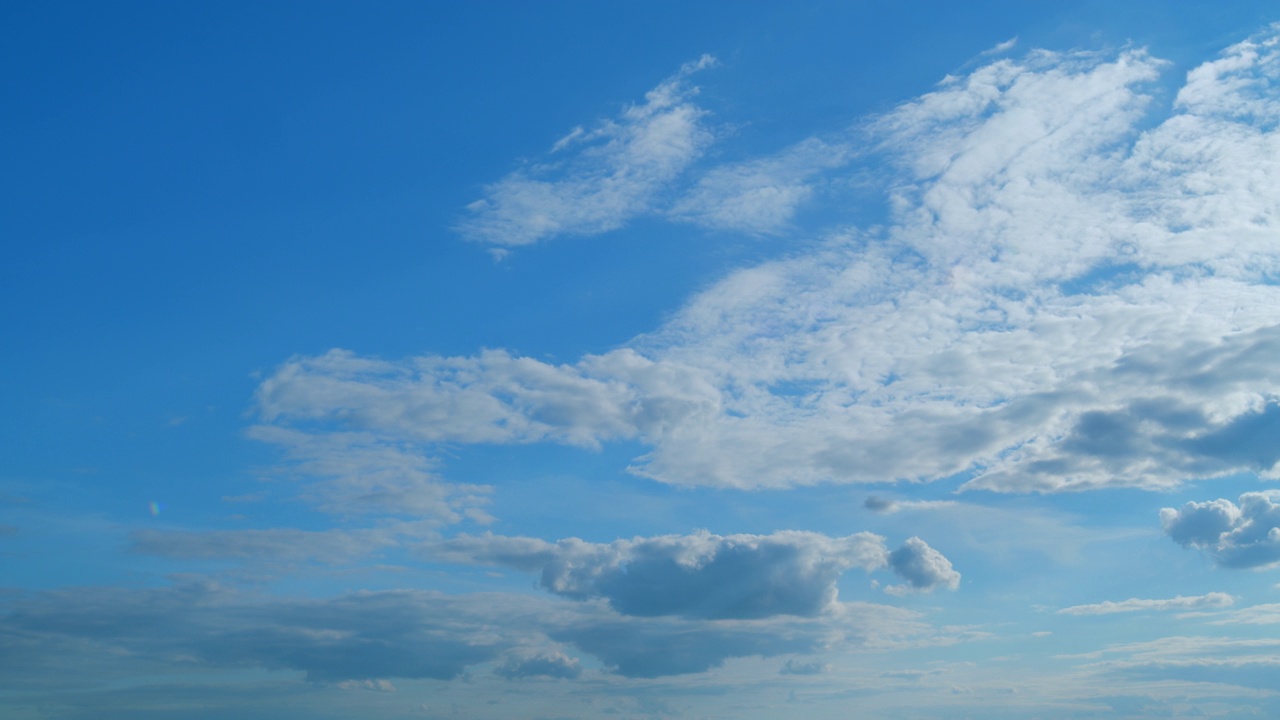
{"points": [[760, 196], [596, 179]]}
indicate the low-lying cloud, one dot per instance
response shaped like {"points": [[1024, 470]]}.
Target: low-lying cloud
{"points": [[704, 575]]}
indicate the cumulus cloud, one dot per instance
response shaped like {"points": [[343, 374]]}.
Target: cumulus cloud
{"points": [[1069, 294], [1246, 535], [922, 567], [1210, 601], [705, 575], [554, 664], [596, 179]]}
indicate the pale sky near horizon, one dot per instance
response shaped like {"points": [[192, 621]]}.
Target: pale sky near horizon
{"points": [[649, 360]]}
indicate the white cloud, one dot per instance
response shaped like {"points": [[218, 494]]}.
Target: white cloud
{"points": [[922, 567], [760, 196], [1235, 536], [1215, 600], [362, 473], [704, 575], [1069, 294], [612, 174]]}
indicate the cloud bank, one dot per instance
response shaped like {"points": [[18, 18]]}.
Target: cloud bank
{"points": [[1246, 535], [705, 576]]}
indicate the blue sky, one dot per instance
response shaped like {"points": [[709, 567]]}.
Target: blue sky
{"points": [[715, 360]]}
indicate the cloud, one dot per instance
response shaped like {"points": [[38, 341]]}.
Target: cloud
{"points": [[554, 664], [364, 473], [888, 506], [271, 544], [1215, 600], [704, 575], [760, 196], [659, 646], [1069, 292], [792, 667], [367, 636], [922, 567], [1234, 536], [612, 172], [368, 639]]}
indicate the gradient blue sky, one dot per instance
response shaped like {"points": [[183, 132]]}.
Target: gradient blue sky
{"points": [[700, 360]]}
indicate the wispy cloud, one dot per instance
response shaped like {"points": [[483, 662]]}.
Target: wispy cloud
{"points": [[1215, 600], [596, 179], [705, 575]]}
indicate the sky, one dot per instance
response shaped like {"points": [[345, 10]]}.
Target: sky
{"points": [[641, 360]]}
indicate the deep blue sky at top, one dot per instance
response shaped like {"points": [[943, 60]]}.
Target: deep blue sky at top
{"points": [[194, 192]]}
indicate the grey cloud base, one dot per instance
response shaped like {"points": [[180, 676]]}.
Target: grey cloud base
{"points": [[374, 636], [705, 576], [1246, 535]]}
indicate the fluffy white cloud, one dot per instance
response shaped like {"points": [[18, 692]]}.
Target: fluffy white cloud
{"points": [[368, 639], [922, 567], [613, 173], [1236, 536], [1214, 600], [705, 575], [1067, 296]]}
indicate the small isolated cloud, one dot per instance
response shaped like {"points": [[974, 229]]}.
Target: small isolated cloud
{"points": [[703, 575], [1246, 535], [1210, 601], [922, 567], [888, 505], [554, 664], [596, 179], [379, 685], [794, 667]]}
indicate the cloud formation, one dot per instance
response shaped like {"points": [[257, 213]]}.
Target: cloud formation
{"points": [[612, 172], [1070, 293], [1246, 535], [367, 639], [1210, 601], [705, 576]]}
